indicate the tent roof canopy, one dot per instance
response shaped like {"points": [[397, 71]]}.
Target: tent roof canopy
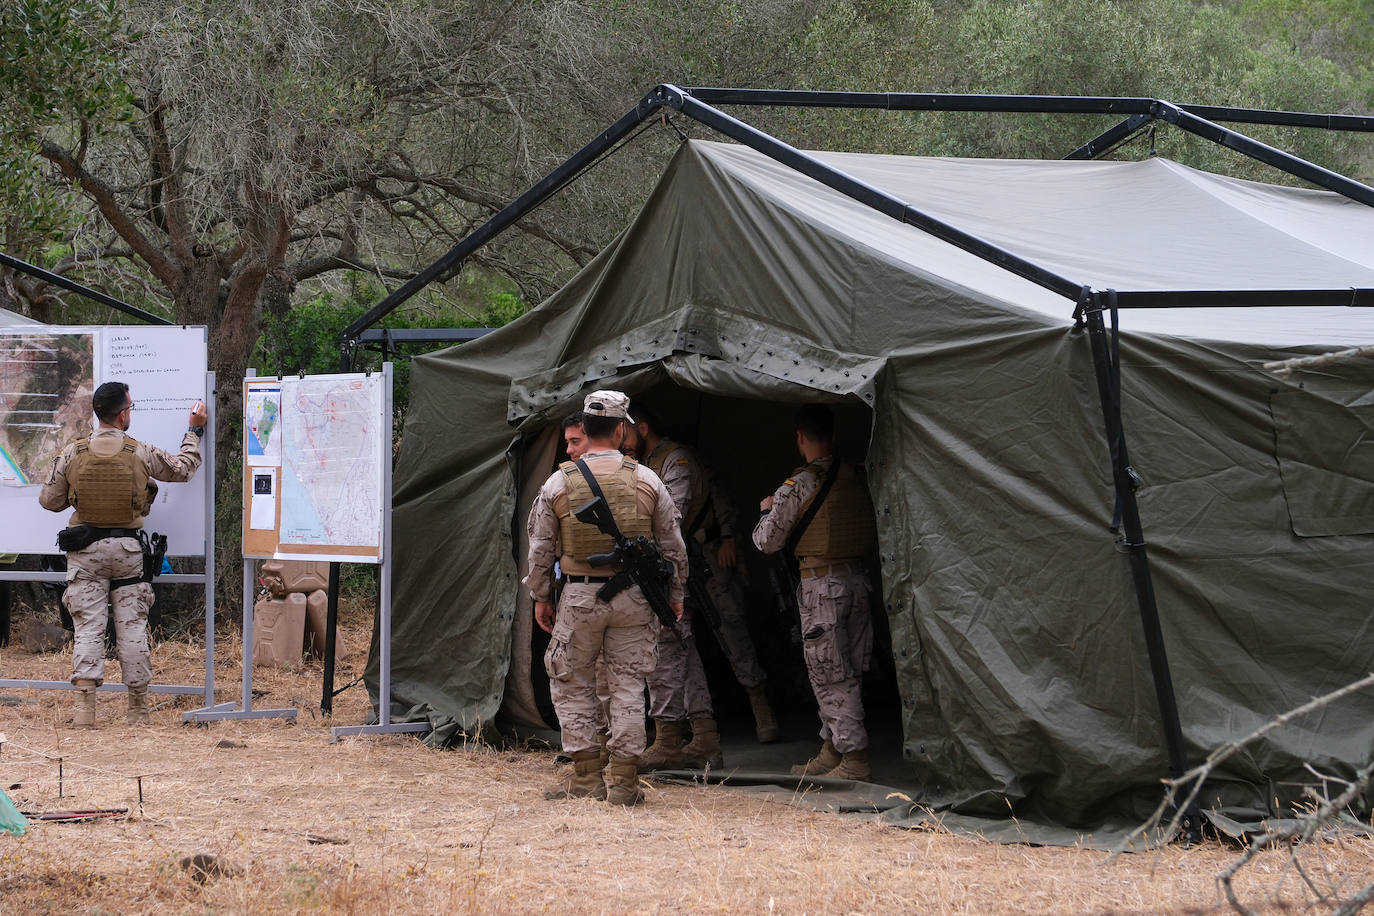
{"points": [[1153, 290], [1169, 227]]}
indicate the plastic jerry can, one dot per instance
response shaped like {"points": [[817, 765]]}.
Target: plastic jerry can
{"points": [[279, 630], [316, 619]]}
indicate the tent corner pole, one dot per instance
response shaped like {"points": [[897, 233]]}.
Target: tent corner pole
{"points": [[1133, 538]]}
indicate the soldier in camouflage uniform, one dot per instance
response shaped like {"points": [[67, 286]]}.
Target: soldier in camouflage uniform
{"points": [[624, 628], [837, 631], [108, 478], [678, 692]]}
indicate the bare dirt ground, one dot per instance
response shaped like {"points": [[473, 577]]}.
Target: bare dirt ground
{"points": [[386, 825]]}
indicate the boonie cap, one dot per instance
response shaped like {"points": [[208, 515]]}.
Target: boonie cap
{"points": [[608, 404]]}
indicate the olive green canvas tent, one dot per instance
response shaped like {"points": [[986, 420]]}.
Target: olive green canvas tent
{"points": [[1017, 666]]}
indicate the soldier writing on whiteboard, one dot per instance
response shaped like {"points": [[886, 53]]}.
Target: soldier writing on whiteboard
{"points": [[108, 479]]}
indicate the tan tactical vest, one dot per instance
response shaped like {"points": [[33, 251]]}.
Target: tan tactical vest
{"points": [[844, 527], [108, 491], [698, 496], [581, 540]]}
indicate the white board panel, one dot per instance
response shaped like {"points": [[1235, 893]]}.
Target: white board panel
{"points": [[165, 369]]}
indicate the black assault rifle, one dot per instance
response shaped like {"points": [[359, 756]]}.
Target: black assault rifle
{"points": [[698, 571], [636, 562]]}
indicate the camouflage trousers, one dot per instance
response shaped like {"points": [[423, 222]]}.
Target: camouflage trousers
{"points": [[837, 640], [677, 685], [733, 634], [88, 593], [622, 633]]}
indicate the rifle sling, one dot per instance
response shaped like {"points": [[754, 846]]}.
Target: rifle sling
{"points": [[804, 522], [596, 491]]}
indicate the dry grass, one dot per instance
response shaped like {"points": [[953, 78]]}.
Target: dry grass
{"points": [[457, 831]]}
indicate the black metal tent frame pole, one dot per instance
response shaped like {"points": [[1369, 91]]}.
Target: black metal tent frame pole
{"points": [[95, 295], [698, 105]]}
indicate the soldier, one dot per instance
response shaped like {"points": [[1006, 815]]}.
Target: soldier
{"points": [[624, 628], [108, 478], [829, 541], [678, 692]]}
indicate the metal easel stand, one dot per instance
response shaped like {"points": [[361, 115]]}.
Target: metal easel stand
{"points": [[244, 710], [208, 579], [384, 724]]}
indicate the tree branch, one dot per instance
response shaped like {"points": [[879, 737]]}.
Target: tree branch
{"points": [[99, 192]]}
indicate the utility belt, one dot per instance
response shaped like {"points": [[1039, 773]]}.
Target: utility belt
{"points": [[833, 569], [79, 537]]}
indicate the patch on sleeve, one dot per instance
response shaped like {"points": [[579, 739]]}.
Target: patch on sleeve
{"points": [[789, 482], [681, 462]]}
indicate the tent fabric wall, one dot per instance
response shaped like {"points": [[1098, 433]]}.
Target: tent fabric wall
{"points": [[1015, 629]]}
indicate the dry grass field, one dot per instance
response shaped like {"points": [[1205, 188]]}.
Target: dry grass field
{"points": [[386, 825]]}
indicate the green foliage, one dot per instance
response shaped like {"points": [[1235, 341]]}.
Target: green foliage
{"points": [[57, 69], [306, 339]]}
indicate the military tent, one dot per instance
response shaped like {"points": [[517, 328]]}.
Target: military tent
{"points": [[1016, 663]]}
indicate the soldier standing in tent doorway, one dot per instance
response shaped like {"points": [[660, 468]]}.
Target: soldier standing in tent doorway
{"points": [[623, 627], [678, 692], [823, 515], [109, 479]]}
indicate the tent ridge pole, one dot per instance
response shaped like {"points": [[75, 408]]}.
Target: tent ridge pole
{"points": [[512, 213], [1133, 539], [864, 193], [1263, 152]]}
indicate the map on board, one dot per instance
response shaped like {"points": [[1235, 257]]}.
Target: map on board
{"points": [[334, 436], [46, 381], [262, 418]]}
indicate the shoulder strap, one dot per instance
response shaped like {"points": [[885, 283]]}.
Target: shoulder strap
{"points": [[596, 491], [83, 444], [804, 522]]}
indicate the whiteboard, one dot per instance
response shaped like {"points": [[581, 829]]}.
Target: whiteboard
{"points": [[316, 451], [47, 376]]}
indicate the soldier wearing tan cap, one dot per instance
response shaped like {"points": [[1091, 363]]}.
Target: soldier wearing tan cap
{"points": [[623, 629]]}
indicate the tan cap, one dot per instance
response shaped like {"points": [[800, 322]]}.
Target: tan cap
{"points": [[608, 404]]}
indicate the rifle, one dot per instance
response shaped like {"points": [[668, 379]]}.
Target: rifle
{"points": [[636, 562], [698, 571], [784, 578]]}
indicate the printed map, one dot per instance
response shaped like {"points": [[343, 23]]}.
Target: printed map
{"points": [[332, 472], [262, 417], [46, 381]]}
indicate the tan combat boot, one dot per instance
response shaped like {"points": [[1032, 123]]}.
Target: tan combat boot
{"points": [[585, 779], [603, 753], [139, 707], [704, 748], [622, 781], [853, 765], [765, 726], [821, 764], [666, 752], [83, 714]]}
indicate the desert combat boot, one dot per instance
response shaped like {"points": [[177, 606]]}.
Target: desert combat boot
{"points": [[704, 749], [821, 764], [765, 725], [585, 780], [853, 765], [138, 706], [622, 781], [666, 752], [83, 713]]}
